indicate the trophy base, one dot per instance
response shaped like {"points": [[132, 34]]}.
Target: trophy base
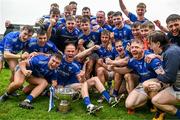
{"points": [[64, 106]]}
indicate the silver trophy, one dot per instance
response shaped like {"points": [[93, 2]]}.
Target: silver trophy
{"points": [[64, 94]]}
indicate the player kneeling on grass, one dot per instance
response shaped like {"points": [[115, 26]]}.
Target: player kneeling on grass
{"points": [[38, 70]]}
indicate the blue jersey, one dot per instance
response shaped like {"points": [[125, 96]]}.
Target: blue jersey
{"points": [[80, 64], [54, 31], [99, 30], [93, 37], [133, 18], [46, 19], [46, 16], [67, 73], [107, 27], [2, 45], [33, 46], [104, 53], [55, 27], [63, 21], [124, 34], [64, 36], [39, 67], [12, 43], [145, 70]]}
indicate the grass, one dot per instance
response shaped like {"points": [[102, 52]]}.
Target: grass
{"points": [[9, 110]]}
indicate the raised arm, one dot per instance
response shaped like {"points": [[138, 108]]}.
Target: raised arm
{"points": [[49, 30], [123, 7], [86, 52], [162, 28]]}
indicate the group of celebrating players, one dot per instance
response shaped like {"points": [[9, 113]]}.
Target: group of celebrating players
{"points": [[85, 51]]}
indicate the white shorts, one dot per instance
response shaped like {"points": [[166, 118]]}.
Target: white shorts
{"points": [[139, 88], [171, 90], [75, 86]]}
